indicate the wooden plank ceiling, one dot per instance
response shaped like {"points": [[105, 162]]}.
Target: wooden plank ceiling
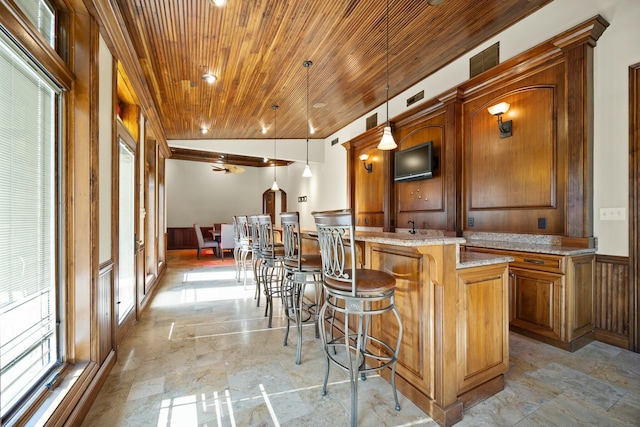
{"points": [[256, 48]]}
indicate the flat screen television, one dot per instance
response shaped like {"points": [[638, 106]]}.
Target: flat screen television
{"points": [[414, 163]]}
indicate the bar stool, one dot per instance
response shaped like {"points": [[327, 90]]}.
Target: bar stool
{"points": [[270, 267], [256, 256], [237, 247], [243, 248], [357, 292], [300, 269]]}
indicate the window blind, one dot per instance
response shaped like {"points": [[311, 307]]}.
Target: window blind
{"points": [[28, 336]]}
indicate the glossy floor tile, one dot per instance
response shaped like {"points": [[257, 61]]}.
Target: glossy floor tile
{"points": [[202, 355]]}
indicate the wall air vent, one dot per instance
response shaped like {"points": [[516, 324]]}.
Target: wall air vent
{"points": [[334, 142], [488, 58], [372, 121], [415, 98]]}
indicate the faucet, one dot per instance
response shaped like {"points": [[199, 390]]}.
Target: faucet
{"points": [[413, 227]]}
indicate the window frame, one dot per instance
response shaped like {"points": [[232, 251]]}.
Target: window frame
{"points": [[36, 393]]}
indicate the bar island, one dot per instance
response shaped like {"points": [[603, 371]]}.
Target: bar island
{"points": [[454, 309]]}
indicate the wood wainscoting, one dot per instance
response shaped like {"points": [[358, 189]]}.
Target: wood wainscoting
{"points": [[185, 237], [612, 300], [104, 303]]}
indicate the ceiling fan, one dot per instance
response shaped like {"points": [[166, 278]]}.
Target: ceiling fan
{"points": [[226, 168]]}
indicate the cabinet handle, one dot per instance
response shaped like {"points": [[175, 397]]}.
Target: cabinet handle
{"points": [[533, 261]]}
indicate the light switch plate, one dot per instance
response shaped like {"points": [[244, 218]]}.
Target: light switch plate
{"points": [[612, 214]]}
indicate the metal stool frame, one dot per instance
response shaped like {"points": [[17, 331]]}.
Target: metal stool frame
{"points": [[300, 270], [360, 298], [271, 268]]}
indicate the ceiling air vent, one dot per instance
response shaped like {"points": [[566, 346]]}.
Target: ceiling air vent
{"points": [[488, 58], [415, 98]]}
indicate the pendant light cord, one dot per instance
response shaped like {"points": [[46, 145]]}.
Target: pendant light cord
{"points": [[275, 135], [387, 63], [307, 64]]}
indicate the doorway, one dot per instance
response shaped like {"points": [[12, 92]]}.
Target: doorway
{"points": [[270, 203]]}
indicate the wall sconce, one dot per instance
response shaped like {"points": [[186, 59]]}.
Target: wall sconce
{"points": [[499, 110], [364, 158]]}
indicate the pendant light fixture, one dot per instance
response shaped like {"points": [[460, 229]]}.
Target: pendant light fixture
{"points": [[274, 187], [387, 142], [307, 170]]}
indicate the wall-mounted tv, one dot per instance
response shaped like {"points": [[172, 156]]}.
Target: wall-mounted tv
{"points": [[414, 163]]}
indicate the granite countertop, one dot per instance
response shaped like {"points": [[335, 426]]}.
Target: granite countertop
{"points": [[477, 259], [524, 243], [402, 239]]}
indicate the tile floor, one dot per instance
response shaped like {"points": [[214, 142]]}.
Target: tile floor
{"points": [[202, 356]]}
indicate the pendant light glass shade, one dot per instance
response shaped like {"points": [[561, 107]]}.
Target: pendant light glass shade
{"points": [[274, 187], [387, 142], [307, 170]]}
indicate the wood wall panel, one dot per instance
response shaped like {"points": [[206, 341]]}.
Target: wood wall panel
{"points": [[104, 304], [611, 298], [370, 210], [510, 183], [518, 171], [423, 200], [185, 237]]}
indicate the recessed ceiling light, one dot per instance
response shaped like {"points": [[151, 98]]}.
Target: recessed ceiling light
{"points": [[219, 3], [264, 130], [319, 105], [209, 78], [436, 2], [204, 130], [265, 160]]}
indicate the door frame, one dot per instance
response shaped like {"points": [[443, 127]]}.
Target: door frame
{"points": [[122, 133], [634, 206]]}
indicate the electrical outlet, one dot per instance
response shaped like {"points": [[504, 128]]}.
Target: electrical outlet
{"points": [[542, 223], [612, 214], [470, 222]]}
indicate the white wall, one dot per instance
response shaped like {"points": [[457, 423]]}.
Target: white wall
{"points": [[617, 49], [196, 194]]}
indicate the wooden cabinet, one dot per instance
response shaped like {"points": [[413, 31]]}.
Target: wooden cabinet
{"points": [[551, 296], [455, 342]]}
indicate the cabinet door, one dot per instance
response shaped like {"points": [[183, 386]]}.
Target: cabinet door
{"points": [[537, 302], [483, 331]]}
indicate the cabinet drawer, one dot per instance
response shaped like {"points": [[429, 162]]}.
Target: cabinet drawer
{"points": [[535, 261]]}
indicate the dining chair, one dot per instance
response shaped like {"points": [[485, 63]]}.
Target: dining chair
{"points": [[227, 240], [204, 243]]}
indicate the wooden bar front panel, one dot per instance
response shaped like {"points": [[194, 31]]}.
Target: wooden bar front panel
{"points": [[413, 300]]}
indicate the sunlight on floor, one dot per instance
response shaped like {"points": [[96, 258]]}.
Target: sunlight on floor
{"points": [[183, 411]]}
